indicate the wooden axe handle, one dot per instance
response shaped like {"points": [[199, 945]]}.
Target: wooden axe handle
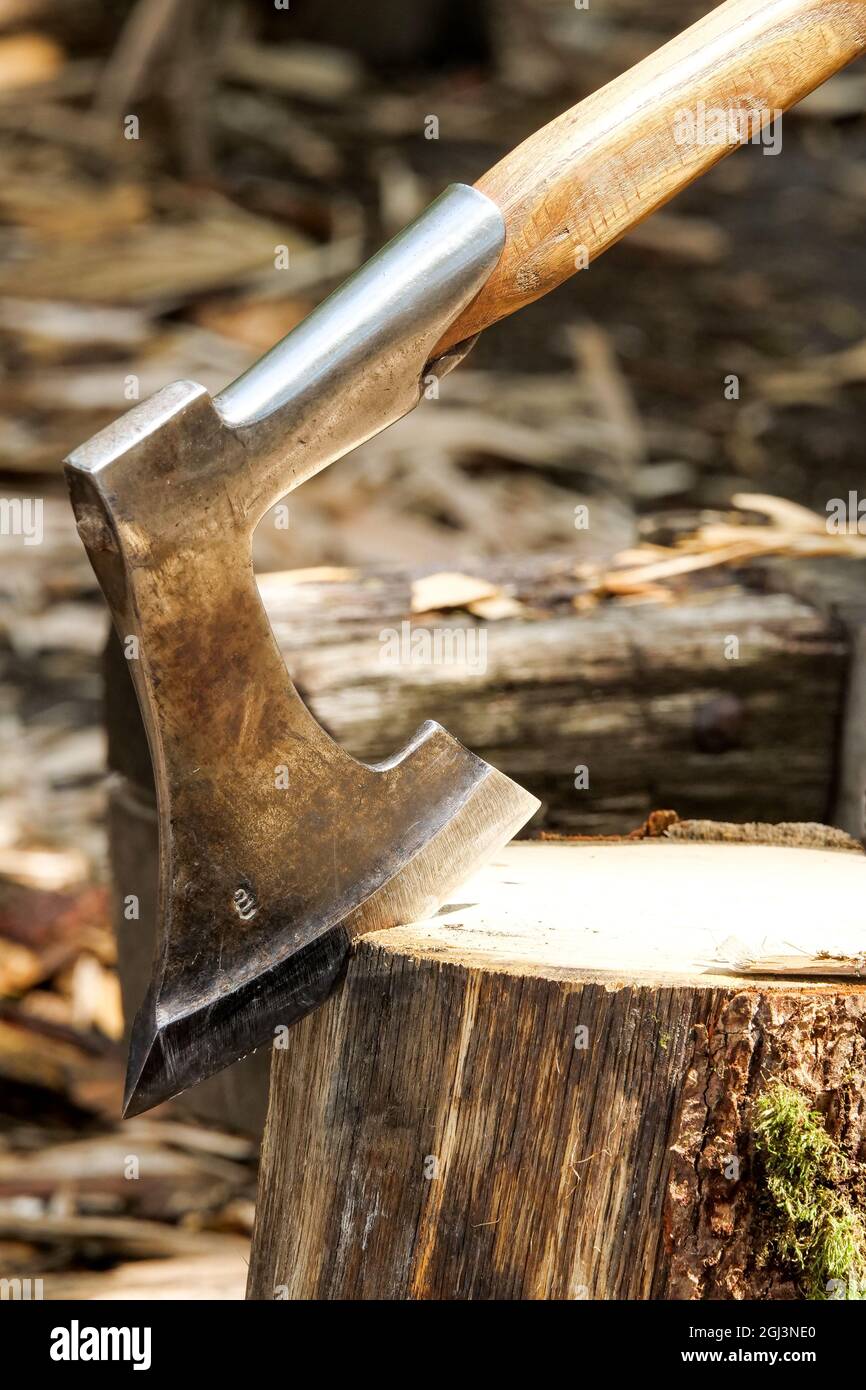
{"points": [[579, 184]]}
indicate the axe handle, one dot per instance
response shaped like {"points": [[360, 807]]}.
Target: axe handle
{"points": [[575, 187]]}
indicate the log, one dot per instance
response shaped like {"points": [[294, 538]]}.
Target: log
{"points": [[547, 1091], [646, 698]]}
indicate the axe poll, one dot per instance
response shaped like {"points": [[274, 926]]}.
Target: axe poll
{"points": [[277, 849]]}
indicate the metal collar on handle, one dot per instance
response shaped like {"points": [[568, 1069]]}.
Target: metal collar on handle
{"points": [[354, 366]]}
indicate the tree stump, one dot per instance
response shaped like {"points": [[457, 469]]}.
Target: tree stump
{"points": [[546, 1091]]}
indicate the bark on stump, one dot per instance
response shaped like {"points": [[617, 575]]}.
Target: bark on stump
{"points": [[539, 1092]]}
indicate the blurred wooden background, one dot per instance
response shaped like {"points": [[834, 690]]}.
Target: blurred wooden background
{"points": [[128, 262]]}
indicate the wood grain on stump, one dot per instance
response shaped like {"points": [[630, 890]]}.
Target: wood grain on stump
{"points": [[538, 1093]]}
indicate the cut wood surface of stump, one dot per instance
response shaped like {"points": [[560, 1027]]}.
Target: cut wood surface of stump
{"points": [[546, 1091]]}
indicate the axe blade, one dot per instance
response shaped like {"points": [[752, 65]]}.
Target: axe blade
{"points": [[277, 848], [481, 810]]}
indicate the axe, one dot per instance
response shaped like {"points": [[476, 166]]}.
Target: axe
{"points": [[278, 849]]}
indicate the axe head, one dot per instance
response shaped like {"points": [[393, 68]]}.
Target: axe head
{"points": [[277, 848]]}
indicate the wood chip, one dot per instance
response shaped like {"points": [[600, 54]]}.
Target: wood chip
{"points": [[309, 71], [436, 593], [195, 1138], [792, 530], [611, 393], [20, 968], [733, 957], [113, 1234], [27, 59], [275, 582], [14, 12], [49, 869], [217, 1273], [30, 1056], [61, 325], [95, 996], [781, 510], [494, 609], [814, 379], [220, 247], [628, 581], [75, 215]]}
